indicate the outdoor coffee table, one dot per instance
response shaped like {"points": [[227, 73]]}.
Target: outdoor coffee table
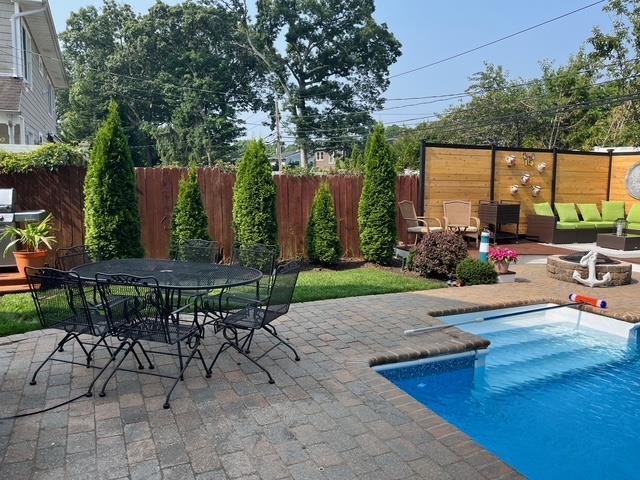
{"points": [[625, 242], [175, 278]]}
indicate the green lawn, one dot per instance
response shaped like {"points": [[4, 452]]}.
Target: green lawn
{"points": [[18, 315], [356, 282]]}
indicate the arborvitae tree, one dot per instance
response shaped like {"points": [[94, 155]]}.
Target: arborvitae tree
{"points": [[323, 241], [254, 199], [377, 209], [189, 220], [356, 162], [112, 220]]}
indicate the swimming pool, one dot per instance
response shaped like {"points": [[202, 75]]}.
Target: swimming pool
{"points": [[557, 394]]}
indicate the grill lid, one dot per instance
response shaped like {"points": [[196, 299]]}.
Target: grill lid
{"points": [[7, 200]]}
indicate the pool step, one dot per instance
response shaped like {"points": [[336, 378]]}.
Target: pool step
{"points": [[534, 350]]}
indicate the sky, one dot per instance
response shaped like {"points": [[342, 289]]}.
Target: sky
{"points": [[430, 30]]}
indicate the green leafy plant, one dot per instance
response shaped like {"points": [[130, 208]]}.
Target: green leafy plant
{"points": [[254, 199], [34, 236], [323, 241], [48, 157], [438, 254], [112, 220], [475, 272], [189, 220], [377, 209]]}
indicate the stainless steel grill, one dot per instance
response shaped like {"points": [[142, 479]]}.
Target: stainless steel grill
{"points": [[9, 217]]}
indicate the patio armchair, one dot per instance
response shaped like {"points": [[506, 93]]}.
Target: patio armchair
{"points": [[136, 310], [194, 250], [457, 217], [417, 226], [239, 327], [543, 226]]}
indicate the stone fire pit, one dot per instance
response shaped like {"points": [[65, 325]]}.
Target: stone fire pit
{"points": [[561, 267]]}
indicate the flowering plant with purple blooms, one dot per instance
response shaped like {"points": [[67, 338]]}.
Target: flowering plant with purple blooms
{"points": [[503, 254]]}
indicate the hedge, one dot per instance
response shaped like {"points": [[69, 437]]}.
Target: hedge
{"points": [[49, 157]]}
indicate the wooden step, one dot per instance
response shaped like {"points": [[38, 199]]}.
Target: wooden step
{"points": [[12, 278], [6, 289]]}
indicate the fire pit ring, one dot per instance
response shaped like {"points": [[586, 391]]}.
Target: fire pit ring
{"points": [[561, 267]]}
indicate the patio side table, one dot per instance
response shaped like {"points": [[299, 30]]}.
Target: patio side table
{"points": [[496, 214], [624, 242]]}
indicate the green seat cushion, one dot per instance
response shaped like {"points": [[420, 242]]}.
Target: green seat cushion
{"points": [[634, 214], [585, 225], [604, 225], [589, 212], [567, 212], [634, 226], [601, 225], [612, 211], [543, 209], [566, 225]]}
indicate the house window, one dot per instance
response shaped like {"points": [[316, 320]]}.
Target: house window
{"points": [[26, 56], [332, 159], [28, 138], [319, 156]]}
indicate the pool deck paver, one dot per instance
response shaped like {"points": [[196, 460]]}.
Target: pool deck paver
{"points": [[328, 416]]}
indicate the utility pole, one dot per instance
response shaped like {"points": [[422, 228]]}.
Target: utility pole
{"points": [[278, 137]]}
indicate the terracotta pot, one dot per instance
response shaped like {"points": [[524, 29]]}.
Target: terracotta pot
{"points": [[30, 259], [502, 267]]}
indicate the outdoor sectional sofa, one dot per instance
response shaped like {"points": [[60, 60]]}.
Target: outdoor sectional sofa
{"points": [[569, 228]]}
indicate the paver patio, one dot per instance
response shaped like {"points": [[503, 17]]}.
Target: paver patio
{"points": [[328, 416]]}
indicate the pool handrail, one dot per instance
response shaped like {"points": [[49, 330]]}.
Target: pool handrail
{"points": [[432, 328]]}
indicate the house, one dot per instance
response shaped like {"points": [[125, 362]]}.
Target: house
{"points": [[31, 72], [327, 159]]}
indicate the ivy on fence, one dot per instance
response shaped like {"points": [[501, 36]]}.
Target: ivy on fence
{"points": [[48, 157]]}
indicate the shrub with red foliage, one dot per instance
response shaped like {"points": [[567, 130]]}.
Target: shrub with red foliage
{"points": [[438, 254]]}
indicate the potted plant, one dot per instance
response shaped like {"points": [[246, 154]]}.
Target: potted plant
{"points": [[501, 257], [36, 239]]}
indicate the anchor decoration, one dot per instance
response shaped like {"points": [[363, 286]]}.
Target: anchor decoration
{"points": [[589, 261]]}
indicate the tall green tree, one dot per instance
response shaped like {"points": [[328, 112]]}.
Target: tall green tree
{"points": [[330, 62], [323, 241], [176, 70], [254, 199], [377, 209], [112, 220], [189, 220]]}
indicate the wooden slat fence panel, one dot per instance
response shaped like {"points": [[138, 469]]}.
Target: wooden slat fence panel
{"points": [[61, 193]]}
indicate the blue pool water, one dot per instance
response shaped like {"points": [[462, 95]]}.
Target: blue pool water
{"points": [[552, 401]]}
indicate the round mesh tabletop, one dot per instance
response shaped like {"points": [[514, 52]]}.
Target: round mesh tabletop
{"points": [[173, 274]]}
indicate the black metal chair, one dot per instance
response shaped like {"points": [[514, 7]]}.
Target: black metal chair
{"points": [[199, 251], [68, 258], [136, 309], [60, 301], [261, 257], [258, 316]]}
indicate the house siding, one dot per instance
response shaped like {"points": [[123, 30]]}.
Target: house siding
{"points": [[34, 104], [6, 61]]}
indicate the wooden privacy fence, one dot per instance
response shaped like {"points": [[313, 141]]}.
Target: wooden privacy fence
{"points": [[61, 193], [481, 173]]}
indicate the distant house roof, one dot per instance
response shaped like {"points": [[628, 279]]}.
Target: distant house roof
{"points": [[10, 91]]}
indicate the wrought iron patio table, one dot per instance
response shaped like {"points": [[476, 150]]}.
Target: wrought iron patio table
{"points": [[174, 277]]}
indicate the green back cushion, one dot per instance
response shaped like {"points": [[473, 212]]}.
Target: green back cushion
{"points": [[634, 214], [612, 210], [543, 209], [567, 212], [589, 212]]}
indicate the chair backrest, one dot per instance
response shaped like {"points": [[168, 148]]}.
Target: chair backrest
{"points": [[282, 288], [408, 212], [457, 212], [134, 302], [68, 258], [59, 299], [260, 257], [198, 251]]}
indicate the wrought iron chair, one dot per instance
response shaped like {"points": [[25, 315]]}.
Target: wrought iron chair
{"points": [[199, 251], [68, 258], [239, 327], [260, 257], [60, 301], [136, 309]]}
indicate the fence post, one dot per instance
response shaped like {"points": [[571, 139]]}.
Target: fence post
{"points": [[610, 150], [423, 174], [554, 176], [492, 191]]}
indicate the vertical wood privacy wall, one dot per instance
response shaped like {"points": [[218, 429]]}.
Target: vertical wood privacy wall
{"points": [[61, 193], [481, 173]]}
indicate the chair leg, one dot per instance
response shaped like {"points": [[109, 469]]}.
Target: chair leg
{"points": [[59, 348], [241, 352], [285, 343], [103, 369], [115, 369], [204, 364], [146, 355], [223, 347], [180, 360], [181, 376]]}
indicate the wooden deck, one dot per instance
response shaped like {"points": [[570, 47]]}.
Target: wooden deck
{"points": [[12, 282]]}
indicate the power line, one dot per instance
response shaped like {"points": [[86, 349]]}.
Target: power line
{"points": [[498, 40]]}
